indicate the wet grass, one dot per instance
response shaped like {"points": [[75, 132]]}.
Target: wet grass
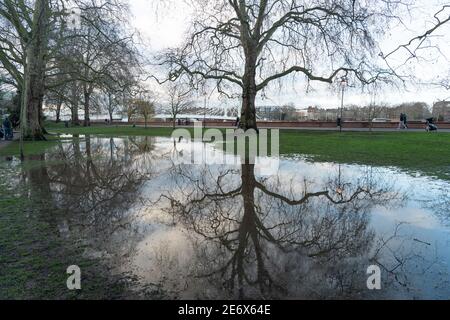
{"points": [[110, 131], [409, 151], [30, 147], [34, 256], [34, 259]]}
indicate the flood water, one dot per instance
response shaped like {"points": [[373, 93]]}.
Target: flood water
{"points": [[214, 231]]}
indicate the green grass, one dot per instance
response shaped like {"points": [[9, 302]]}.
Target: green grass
{"points": [[35, 254], [409, 151], [34, 257], [30, 148], [110, 131], [34, 148]]}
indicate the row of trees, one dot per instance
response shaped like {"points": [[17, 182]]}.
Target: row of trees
{"points": [[414, 110], [74, 53], [83, 53], [245, 47], [179, 99]]}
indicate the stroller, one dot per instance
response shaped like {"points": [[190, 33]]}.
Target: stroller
{"points": [[431, 126]]}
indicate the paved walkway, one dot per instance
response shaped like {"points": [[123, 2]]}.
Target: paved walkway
{"points": [[356, 129], [4, 143], [306, 129]]}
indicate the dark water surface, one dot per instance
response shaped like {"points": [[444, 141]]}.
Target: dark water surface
{"points": [[310, 231]]}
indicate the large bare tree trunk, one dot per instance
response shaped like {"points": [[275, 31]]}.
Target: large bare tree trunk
{"points": [[75, 118], [174, 122], [87, 102], [248, 115], [58, 112], [34, 85], [74, 104]]}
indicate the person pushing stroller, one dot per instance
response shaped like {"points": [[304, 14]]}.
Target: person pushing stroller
{"points": [[431, 126]]}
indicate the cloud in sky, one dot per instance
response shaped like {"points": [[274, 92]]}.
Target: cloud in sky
{"points": [[164, 25]]}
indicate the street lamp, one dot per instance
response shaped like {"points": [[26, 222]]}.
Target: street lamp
{"points": [[204, 110], [344, 83]]}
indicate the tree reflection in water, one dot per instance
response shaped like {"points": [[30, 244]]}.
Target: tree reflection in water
{"points": [[87, 188], [266, 239], [280, 237], [439, 203]]}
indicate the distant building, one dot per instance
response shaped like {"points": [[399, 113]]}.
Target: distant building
{"points": [[441, 110], [303, 114], [269, 113], [317, 114]]}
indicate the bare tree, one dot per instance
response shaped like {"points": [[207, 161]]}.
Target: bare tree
{"points": [[109, 101], [145, 107], [23, 51], [101, 54], [131, 110], [419, 42], [179, 99], [423, 43], [250, 44], [54, 102], [40, 52], [373, 111]]}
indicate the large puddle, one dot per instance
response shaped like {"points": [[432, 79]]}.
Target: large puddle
{"points": [[214, 231]]}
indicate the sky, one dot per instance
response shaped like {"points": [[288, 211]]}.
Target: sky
{"points": [[163, 26]]}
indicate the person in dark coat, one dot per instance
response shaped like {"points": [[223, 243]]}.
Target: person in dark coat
{"points": [[7, 128], [402, 122]]}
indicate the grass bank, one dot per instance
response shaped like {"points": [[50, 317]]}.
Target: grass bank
{"points": [[411, 151], [34, 257], [36, 247], [110, 131]]}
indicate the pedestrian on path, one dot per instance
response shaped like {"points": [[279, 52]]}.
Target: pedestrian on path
{"points": [[7, 129]]}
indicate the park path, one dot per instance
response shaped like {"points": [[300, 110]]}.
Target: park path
{"points": [[307, 129], [4, 143]]}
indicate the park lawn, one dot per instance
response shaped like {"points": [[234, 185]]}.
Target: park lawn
{"points": [[37, 147], [33, 256], [110, 131], [409, 151], [30, 147], [413, 151]]}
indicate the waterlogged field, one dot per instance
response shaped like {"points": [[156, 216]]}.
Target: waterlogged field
{"points": [[141, 220]]}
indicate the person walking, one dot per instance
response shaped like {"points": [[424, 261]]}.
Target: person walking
{"points": [[238, 122], [401, 125], [7, 128]]}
